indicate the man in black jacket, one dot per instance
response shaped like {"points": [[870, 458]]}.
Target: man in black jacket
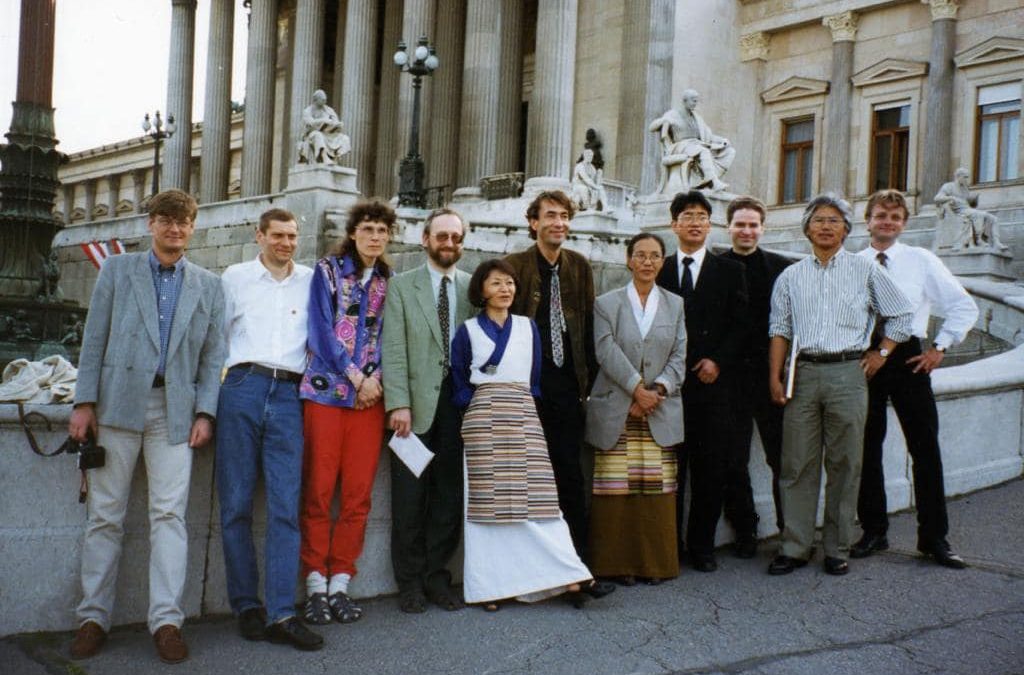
{"points": [[714, 291], [751, 399]]}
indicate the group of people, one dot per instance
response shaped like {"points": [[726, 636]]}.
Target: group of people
{"points": [[503, 375]]}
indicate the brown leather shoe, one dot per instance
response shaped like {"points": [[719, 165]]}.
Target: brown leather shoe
{"points": [[88, 640], [170, 646]]}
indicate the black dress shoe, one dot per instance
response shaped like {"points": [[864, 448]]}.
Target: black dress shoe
{"points": [[293, 632], [703, 562], [868, 544], [598, 589], [745, 545], [783, 564], [836, 566], [940, 551], [252, 624]]}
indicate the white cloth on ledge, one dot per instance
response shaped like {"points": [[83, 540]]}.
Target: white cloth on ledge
{"points": [[51, 380]]}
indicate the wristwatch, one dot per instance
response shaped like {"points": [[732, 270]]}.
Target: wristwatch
{"points": [[883, 352]]}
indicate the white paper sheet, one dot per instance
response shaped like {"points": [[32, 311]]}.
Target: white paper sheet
{"points": [[794, 352], [412, 452]]}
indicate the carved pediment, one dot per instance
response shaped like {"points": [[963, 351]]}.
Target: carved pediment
{"points": [[77, 213], [235, 187], [124, 206], [993, 49], [889, 70], [100, 210], [795, 87]]}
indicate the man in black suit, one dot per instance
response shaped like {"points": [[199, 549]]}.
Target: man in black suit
{"points": [[751, 399], [714, 292]]}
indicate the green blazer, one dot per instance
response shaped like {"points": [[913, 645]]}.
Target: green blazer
{"points": [[412, 356]]}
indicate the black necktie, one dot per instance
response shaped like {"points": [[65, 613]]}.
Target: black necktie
{"points": [[687, 277], [444, 319], [882, 259]]}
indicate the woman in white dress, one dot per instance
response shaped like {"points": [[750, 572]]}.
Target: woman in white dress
{"points": [[516, 543]]}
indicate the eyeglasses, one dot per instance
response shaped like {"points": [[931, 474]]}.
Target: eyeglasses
{"points": [[445, 236], [645, 258], [832, 221], [167, 222], [699, 218], [373, 230]]}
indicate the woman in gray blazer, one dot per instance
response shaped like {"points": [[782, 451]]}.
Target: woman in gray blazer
{"points": [[634, 420]]}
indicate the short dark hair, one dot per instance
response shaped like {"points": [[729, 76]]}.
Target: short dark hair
{"points": [[556, 196], [745, 202], [437, 213], [279, 215], [685, 199], [637, 238], [364, 210], [173, 203], [480, 274], [889, 198]]}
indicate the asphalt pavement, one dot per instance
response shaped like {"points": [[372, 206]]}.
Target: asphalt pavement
{"points": [[894, 613]]}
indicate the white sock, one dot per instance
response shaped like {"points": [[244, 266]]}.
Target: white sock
{"points": [[316, 583], [339, 584]]}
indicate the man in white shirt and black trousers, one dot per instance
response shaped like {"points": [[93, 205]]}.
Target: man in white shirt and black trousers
{"points": [[905, 380], [259, 430]]}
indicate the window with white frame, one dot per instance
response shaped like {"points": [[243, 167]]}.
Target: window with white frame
{"points": [[997, 133]]}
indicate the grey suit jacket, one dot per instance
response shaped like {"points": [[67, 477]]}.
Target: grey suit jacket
{"points": [[412, 356], [121, 347], [622, 354]]}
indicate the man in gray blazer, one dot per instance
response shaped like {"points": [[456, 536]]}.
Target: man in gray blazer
{"points": [[424, 307], [148, 378]]}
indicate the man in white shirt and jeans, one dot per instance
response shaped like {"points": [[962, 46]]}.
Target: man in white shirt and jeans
{"points": [[259, 430], [905, 380]]}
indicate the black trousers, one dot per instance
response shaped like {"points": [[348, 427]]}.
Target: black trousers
{"points": [[561, 414], [707, 423], [751, 402], [912, 398], [426, 512]]}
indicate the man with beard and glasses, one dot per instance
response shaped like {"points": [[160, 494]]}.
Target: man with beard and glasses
{"points": [[425, 306]]}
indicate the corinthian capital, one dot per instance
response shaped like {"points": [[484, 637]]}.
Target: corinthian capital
{"points": [[754, 46], [842, 25], [943, 9]]}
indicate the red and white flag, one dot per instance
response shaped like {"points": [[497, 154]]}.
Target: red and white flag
{"points": [[99, 251]]}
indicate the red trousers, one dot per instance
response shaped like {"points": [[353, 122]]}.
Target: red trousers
{"points": [[342, 446]]}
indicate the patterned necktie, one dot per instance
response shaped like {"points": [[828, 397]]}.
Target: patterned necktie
{"points": [[687, 277], [882, 259], [879, 332], [445, 321], [557, 320]]}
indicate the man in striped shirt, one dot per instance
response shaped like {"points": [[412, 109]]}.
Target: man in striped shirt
{"points": [[827, 304]]}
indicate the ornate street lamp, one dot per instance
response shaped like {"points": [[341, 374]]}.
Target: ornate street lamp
{"points": [[158, 133], [410, 174]]}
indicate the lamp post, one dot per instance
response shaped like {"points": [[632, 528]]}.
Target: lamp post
{"points": [[410, 174], [158, 133]]}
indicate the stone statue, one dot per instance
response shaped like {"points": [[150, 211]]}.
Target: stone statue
{"points": [[974, 228], [49, 278], [692, 156], [323, 141], [21, 329], [75, 329], [588, 184]]}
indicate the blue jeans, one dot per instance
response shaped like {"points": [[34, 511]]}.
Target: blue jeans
{"points": [[259, 430]]}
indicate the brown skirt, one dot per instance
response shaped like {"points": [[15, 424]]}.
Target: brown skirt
{"points": [[634, 535]]}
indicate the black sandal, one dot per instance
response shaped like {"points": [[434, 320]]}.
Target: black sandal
{"points": [[317, 611], [343, 608]]}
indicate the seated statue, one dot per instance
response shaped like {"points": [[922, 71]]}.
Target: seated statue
{"points": [[587, 184], [976, 228], [692, 156], [323, 141]]}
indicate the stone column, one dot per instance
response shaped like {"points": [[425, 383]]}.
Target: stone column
{"points": [[837, 110], [754, 51], [357, 101], [549, 131], [385, 179], [138, 189], [178, 150], [444, 132], [510, 87], [258, 125], [216, 145], [337, 94], [69, 201], [646, 89], [90, 198], [417, 20], [479, 95], [307, 58], [113, 193], [938, 124]]}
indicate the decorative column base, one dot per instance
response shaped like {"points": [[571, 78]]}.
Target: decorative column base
{"points": [[538, 184], [979, 263], [312, 191]]}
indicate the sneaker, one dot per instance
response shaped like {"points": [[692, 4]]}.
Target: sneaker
{"points": [[252, 624], [292, 632]]}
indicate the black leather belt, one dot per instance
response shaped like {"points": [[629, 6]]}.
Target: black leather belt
{"points": [[158, 381], [831, 358], [275, 373]]}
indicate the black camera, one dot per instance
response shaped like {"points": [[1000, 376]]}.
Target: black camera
{"points": [[90, 455]]}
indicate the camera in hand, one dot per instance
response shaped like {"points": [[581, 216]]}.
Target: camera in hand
{"points": [[90, 455]]}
